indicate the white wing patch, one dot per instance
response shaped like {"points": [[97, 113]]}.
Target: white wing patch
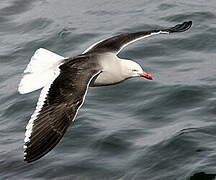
{"points": [[39, 71]]}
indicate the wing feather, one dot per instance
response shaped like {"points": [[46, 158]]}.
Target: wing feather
{"points": [[64, 97], [116, 43]]}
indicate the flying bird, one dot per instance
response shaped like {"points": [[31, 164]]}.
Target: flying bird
{"points": [[65, 82]]}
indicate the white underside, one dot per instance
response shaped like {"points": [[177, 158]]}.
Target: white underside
{"points": [[40, 70]]}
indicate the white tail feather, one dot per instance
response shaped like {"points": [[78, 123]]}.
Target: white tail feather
{"points": [[40, 70]]}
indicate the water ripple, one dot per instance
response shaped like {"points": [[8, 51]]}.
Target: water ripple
{"points": [[155, 130]]}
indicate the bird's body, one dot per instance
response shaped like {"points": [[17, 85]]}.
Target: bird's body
{"points": [[114, 70], [65, 82]]}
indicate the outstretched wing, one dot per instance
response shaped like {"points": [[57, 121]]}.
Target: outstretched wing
{"points": [[116, 43], [57, 106]]}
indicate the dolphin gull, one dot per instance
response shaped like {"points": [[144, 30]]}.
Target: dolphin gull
{"points": [[65, 81]]}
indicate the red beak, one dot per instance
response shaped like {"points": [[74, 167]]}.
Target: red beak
{"points": [[146, 75]]}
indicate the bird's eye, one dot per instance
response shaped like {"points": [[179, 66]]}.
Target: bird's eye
{"points": [[134, 70]]}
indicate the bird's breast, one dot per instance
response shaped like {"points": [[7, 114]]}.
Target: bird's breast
{"points": [[111, 71], [107, 78]]}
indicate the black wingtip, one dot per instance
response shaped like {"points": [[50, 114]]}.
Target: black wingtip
{"points": [[34, 152], [180, 27]]}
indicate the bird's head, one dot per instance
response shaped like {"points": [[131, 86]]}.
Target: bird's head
{"points": [[133, 69]]}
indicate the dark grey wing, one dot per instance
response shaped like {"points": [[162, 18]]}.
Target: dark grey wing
{"points": [[64, 98], [116, 43]]}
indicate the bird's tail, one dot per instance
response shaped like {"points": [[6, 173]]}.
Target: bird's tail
{"points": [[40, 70]]}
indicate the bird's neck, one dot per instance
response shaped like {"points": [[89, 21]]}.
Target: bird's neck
{"points": [[112, 74]]}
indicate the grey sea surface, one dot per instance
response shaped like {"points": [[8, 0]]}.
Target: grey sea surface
{"points": [[137, 130]]}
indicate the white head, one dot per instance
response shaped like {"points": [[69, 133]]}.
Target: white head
{"points": [[132, 69]]}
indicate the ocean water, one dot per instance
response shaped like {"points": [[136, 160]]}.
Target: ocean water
{"points": [[137, 130]]}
